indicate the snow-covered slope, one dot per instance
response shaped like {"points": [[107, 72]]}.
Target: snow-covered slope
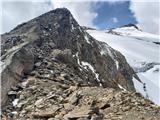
{"points": [[142, 51]]}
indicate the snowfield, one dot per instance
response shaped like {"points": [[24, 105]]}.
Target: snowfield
{"points": [[142, 51]]}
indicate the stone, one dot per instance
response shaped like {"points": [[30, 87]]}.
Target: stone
{"points": [[18, 66], [96, 117], [68, 106], [127, 108], [43, 114], [31, 81], [53, 119], [12, 93], [38, 64], [73, 88], [81, 112], [74, 98], [103, 105], [38, 102], [48, 113], [14, 88], [21, 103]]}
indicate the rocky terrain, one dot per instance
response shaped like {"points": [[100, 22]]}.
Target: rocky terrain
{"points": [[52, 69], [42, 97]]}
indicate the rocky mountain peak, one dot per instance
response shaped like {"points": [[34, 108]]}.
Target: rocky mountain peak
{"points": [[52, 68], [127, 29], [130, 25], [54, 47]]}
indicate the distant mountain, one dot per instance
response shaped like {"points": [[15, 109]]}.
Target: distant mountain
{"points": [[130, 25], [141, 50]]}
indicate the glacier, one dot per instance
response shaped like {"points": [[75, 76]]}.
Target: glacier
{"points": [[142, 52]]}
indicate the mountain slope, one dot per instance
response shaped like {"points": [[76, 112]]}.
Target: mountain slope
{"points": [[55, 33], [142, 53], [53, 69]]}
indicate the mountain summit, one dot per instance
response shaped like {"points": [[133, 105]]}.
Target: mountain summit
{"points": [[130, 25], [53, 52]]}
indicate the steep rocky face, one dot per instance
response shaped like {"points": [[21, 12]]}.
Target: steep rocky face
{"points": [[57, 37]]}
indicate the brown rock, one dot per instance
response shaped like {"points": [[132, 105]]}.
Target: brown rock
{"points": [[74, 98], [48, 113], [81, 112]]}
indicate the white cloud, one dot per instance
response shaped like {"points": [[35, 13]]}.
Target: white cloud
{"points": [[114, 20], [147, 15], [81, 11], [16, 12]]}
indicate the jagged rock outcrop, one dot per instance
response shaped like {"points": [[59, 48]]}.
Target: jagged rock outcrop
{"points": [[131, 25], [18, 64], [44, 98], [56, 36]]}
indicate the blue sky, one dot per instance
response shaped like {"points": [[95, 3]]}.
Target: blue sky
{"points": [[113, 15], [91, 13]]}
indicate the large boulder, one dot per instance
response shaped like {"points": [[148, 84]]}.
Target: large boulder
{"points": [[15, 66]]}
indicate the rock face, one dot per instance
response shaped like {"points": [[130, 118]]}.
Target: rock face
{"points": [[17, 64], [56, 37]]}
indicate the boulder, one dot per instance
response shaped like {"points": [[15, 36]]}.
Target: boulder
{"points": [[16, 65]]}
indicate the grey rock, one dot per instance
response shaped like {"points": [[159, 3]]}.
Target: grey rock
{"points": [[14, 88], [12, 93], [53, 119], [38, 64], [75, 98]]}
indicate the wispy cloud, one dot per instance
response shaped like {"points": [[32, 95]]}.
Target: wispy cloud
{"points": [[81, 11], [16, 12], [114, 20], [147, 14]]}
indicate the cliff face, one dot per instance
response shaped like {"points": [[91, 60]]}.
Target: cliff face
{"points": [[56, 36]]}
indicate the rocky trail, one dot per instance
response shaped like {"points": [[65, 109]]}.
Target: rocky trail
{"points": [[42, 97], [60, 98]]}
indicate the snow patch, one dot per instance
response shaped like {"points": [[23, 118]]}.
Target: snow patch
{"points": [[121, 87], [139, 50], [133, 32], [1, 66], [86, 64], [117, 64], [72, 28], [14, 112], [80, 29], [87, 39], [15, 102], [78, 61], [106, 50], [24, 83]]}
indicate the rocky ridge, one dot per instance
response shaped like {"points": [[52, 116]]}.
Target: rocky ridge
{"points": [[42, 97]]}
